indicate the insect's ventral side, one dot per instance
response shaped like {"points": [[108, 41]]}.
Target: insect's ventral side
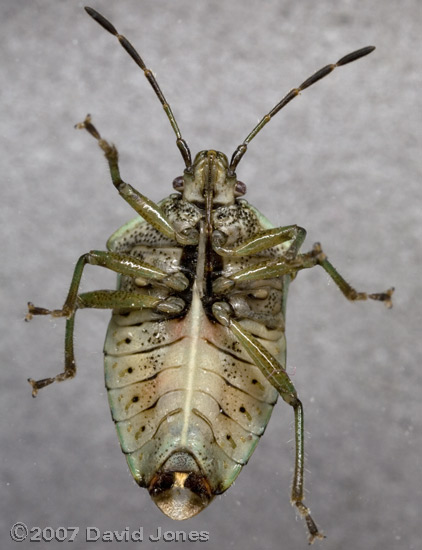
{"points": [[195, 352]]}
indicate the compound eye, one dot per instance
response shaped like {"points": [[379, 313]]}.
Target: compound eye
{"points": [[240, 188], [178, 183]]}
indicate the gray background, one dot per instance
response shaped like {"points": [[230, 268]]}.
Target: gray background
{"points": [[342, 160]]}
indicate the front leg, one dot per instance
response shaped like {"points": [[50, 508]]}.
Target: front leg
{"points": [[145, 207], [262, 241]]}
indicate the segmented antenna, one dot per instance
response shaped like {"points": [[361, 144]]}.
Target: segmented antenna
{"points": [[241, 149], [181, 143]]}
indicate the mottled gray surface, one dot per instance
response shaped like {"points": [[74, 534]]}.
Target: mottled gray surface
{"points": [[343, 160]]}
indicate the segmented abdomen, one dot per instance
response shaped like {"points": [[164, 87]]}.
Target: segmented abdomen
{"points": [[183, 383]]}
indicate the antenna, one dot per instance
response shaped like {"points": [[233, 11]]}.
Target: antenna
{"points": [[241, 149], [181, 143]]}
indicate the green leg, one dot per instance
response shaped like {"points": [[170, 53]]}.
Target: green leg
{"points": [[100, 299], [107, 299], [120, 299], [347, 290], [69, 361], [278, 268], [277, 376], [263, 241], [256, 244], [120, 263], [141, 204], [268, 269]]}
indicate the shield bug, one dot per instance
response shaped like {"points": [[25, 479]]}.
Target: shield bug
{"points": [[195, 353]]}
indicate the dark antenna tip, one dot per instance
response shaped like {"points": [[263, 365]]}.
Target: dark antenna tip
{"points": [[90, 11], [355, 55], [101, 20]]}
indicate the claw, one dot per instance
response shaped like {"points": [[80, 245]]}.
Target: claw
{"points": [[34, 310], [384, 297], [38, 384]]}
